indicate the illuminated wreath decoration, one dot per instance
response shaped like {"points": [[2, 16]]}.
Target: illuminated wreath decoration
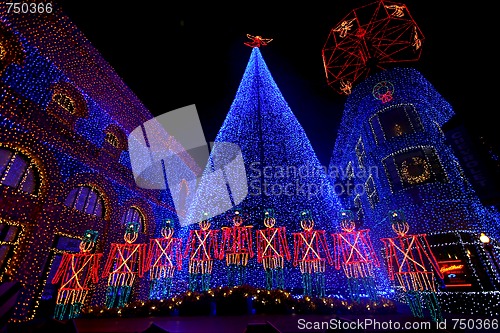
{"points": [[411, 178], [383, 91]]}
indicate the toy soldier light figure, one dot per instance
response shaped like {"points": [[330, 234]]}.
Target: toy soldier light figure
{"points": [[310, 251], [125, 262], [236, 247], [272, 250], [201, 249], [353, 250], [411, 262], [164, 256], [76, 272]]}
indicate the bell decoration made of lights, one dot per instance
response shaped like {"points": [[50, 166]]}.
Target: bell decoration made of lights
{"points": [[236, 247], [354, 253], [201, 250], [125, 262], [311, 253], [164, 257], [272, 250], [77, 273], [412, 264]]}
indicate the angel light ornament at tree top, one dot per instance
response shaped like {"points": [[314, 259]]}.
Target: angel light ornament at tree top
{"points": [[272, 250], [412, 264], [125, 262], [310, 254], [353, 251], [76, 272], [236, 247], [164, 257], [201, 249]]}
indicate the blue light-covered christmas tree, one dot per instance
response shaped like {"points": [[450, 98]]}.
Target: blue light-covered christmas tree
{"points": [[282, 169]]}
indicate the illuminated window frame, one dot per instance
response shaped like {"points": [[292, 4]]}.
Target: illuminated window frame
{"points": [[358, 204], [371, 192], [140, 215], [29, 177], [360, 153], [12, 244], [413, 118], [431, 157], [65, 101], [71, 201]]}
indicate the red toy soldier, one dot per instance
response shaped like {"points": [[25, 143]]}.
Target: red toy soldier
{"points": [[125, 262], [201, 249], [236, 246], [411, 262], [164, 256], [310, 251], [353, 250], [272, 250], [75, 272]]}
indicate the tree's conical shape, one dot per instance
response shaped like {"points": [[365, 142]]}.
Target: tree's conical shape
{"points": [[263, 159], [282, 169]]}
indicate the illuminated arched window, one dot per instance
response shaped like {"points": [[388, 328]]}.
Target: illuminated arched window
{"points": [[67, 104], [115, 142], [64, 101], [133, 214], [18, 171], [112, 140], [86, 199]]}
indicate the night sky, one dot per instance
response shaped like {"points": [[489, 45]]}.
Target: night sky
{"points": [[173, 56]]}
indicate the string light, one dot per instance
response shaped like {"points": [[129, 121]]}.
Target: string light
{"points": [[416, 170], [59, 99]]}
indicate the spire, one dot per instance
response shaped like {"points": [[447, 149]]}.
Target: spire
{"points": [[282, 169]]}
